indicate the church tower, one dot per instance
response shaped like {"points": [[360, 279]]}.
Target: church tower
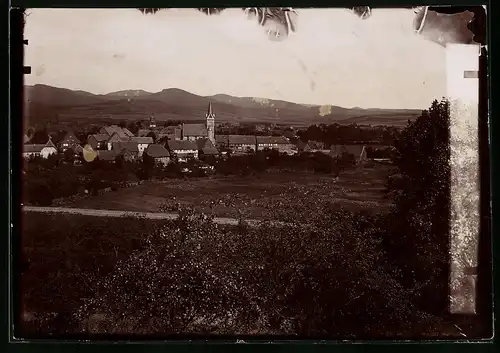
{"points": [[152, 122], [211, 123]]}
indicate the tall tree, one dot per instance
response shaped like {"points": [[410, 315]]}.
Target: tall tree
{"points": [[419, 245]]}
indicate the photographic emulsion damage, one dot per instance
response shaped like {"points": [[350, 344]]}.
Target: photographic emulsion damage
{"points": [[254, 173]]}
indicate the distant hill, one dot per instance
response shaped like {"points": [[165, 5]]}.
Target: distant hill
{"points": [[174, 103], [53, 96]]}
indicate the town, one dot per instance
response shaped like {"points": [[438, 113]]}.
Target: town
{"points": [[185, 149], [180, 143]]}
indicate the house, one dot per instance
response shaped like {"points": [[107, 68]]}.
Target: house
{"points": [[183, 149], [110, 130], [242, 143], [115, 137], [206, 148], [142, 143], [193, 132], [98, 141], [129, 150], [279, 143], [39, 150], [358, 151], [158, 153], [68, 141], [106, 155]]}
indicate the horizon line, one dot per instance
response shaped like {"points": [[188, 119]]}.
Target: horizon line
{"points": [[226, 94]]}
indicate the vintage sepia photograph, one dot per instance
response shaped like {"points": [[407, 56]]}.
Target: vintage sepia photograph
{"points": [[254, 173]]}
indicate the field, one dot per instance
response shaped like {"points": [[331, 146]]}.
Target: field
{"points": [[256, 197]]}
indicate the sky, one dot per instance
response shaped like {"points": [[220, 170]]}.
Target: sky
{"points": [[333, 58]]}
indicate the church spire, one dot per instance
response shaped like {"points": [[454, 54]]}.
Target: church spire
{"points": [[210, 113], [210, 123]]}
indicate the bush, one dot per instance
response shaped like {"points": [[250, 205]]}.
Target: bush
{"points": [[63, 256], [199, 277], [37, 193]]}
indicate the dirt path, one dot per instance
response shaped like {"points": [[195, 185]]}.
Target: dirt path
{"points": [[149, 215]]}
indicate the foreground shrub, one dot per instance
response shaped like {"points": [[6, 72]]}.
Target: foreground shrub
{"points": [[62, 258], [324, 278]]}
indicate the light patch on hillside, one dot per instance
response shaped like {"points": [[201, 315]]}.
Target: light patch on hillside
{"points": [[262, 101], [325, 110]]}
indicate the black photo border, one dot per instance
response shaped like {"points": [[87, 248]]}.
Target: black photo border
{"points": [[13, 127]]}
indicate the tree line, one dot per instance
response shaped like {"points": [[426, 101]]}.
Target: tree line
{"points": [[337, 134]]}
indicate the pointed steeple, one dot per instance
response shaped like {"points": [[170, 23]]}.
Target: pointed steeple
{"points": [[210, 123], [50, 143], [210, 113]]}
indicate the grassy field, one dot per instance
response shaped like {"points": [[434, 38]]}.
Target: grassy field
{"points": [[255, 196]]}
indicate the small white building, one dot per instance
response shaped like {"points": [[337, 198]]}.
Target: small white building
{"points": [[183, 149], [39, 150]]}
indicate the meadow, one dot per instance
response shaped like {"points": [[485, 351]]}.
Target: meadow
{"points": [[258, 196]]}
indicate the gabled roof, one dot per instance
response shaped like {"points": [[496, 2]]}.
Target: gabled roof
{"points": [[179, 145], [77, 148], [272, 140], [127, 132], [242, 139], [100, 137], [143, 139], [203, 142], [33, 148], [356, 150], [26, 138], [115, 137], [131, 146], [157, 151], [115, 129], [38, 147], [194, 130], [206, 146], [50, 144], [106, 155]]}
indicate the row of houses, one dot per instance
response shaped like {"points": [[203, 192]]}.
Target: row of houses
{"points": [[110, 135], [133, 148]]}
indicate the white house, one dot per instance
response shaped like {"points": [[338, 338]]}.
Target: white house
{"points": [[42, 150], [183, 149]]}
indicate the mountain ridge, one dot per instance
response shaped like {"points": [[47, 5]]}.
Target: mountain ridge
{"points": [[178, 104]]}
